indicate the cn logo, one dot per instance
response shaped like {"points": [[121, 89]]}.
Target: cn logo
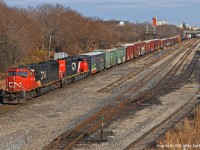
{"points": [[73, 66], [43, 75]]}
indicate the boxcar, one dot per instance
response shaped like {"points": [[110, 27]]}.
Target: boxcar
{"points": [[137, 49], [110, 57], [156, 44], [152, 45], [147, 46], [159, 44], [96, 61], [143, 48], [129, 51], [121, 54], [162, 43], [176, 39], [168, 42], [171, 41]]}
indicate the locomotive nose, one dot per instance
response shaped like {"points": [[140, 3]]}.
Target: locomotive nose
{"points": [[13, 83]]}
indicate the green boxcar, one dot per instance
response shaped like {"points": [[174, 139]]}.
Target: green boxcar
{"points": [[121, 54], [110, 57]]}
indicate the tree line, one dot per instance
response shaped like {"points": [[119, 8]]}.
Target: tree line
{"points": [[26, 35]]}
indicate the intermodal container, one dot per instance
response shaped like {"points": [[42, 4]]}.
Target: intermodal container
{"points": [[96, 61], [110, 57], [121, 54]]}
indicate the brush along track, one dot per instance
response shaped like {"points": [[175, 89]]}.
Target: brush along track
{"points": [[139, 70], [93, 123]]}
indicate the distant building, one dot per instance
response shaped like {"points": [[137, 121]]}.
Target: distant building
{"points": [[117, 23], [122, 23], [187, 26], [183, 25], [161, 22], [156, 22]]}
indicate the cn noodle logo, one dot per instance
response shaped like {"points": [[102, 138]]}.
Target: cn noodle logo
{"points": [[43, 75], [73, 66]]}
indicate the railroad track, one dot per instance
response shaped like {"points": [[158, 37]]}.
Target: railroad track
{"points": [[93, 123], [169, 79], [149, 138], [139, 70], [143, 81]]}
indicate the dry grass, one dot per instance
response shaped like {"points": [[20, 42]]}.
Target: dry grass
{"points": [[187, 137]]}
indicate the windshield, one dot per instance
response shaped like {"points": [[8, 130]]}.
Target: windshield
{"points": [[12, 73], [22, 73]]}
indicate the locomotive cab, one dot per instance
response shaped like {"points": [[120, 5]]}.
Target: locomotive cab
{"points": [[19, 81]]}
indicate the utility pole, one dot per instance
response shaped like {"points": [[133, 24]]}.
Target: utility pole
{"points": [[50, 38]]}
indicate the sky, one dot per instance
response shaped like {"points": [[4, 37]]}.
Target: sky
{"points": [[137, 11]]}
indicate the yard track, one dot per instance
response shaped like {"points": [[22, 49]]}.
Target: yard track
{"points": [[117, 107], [150, 137], [139, 70]]}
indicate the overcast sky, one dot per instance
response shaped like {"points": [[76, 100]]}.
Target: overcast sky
{"points": [[173, 11]]}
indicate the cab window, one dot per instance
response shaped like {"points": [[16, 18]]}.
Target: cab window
{"points": [[12, 73]]}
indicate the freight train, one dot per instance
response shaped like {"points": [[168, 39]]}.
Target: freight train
{"points": [[26, 82]]}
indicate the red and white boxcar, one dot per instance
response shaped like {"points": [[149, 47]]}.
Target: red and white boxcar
{"points": [[129, 51]]}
